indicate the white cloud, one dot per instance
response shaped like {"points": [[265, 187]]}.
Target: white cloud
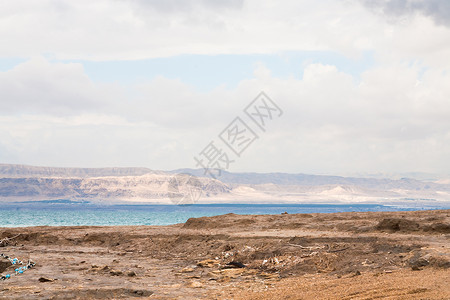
{"points": [[438, 10], [131, 29], [38, 86], [394, 118]]}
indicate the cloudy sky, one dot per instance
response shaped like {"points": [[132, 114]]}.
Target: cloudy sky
{"points": [[364, 85]]}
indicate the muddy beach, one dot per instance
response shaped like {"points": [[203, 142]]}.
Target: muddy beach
{"points": [[363, 255]]}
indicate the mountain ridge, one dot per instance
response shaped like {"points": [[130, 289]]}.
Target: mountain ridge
{"points": [[16, 170], [21, 182]]}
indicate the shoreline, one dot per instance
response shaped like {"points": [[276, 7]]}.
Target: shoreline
{"points": [[25, 215], [238, 257]]}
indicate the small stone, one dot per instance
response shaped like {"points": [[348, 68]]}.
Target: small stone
{"points": [[236, 264], [44, 279], [195, 284], [208, 263], [115, 272], [131, 274], [187, 270]]}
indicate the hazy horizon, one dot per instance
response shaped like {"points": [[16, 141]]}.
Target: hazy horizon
{"points": [[389, 175]]}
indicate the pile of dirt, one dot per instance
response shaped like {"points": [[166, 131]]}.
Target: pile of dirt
{"points": [[223, 221], [4, 264], [438, 228], [394, 224]]}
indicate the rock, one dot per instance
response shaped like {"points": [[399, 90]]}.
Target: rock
{"points": [[232, 273], [417, 262], [208, 263], [195, 284], [44, 279], [137, 293], [187, 270], [131, 274], [115, 273], [235, 264]]}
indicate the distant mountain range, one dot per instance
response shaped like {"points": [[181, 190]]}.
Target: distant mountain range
{"points": [[314, 180], [143, 185], [7, 170]]}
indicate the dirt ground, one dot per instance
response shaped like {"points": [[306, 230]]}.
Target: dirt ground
{"points": [[370, 255]]}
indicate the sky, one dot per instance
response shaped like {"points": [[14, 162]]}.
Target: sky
{"points": [[361, 86]]}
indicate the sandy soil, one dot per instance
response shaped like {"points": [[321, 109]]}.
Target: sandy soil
{"points": [[399, 255]]}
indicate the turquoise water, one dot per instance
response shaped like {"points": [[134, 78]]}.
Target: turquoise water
{"points": [[69, 214]]}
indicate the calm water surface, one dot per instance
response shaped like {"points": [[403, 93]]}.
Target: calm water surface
{"points": [[68, 214]]}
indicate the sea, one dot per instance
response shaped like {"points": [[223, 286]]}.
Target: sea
{"points": [[69, 213]]}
